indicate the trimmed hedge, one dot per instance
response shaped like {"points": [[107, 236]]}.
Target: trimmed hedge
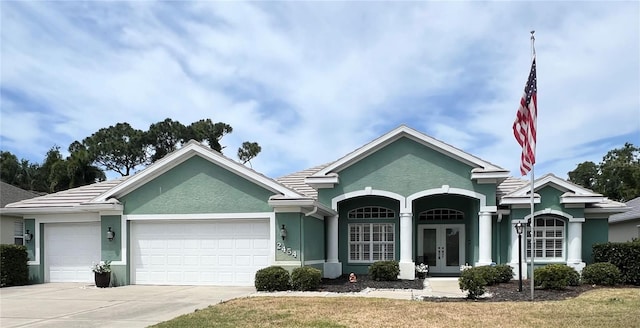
{"points": [[603, 273], [273, 278], [556, 276], [489, 273], [473, 281], [306, 278], [625, 256], [13, 265], [384, 271], [505, 272]]}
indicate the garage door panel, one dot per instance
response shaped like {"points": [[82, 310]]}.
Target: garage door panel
{"points": [[199, 252], [69, 259]]}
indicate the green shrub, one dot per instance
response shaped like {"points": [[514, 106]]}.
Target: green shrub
{"points": [[556, 276], [504, 272], [306, 278], [489, 273], [384, 270], [603, 273], [473, 281], [272, 278], [625, 256], [13, 265]]}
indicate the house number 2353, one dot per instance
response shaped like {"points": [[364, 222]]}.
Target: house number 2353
{"points": [[286, 250]]}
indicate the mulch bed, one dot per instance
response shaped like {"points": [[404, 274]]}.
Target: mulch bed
{"points": [[505, 292]]}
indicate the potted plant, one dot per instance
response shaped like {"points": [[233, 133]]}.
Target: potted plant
{"points": [[102, 273], [422, 270]]}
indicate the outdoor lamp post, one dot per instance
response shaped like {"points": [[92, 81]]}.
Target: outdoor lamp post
{"points": [[519, 228]]}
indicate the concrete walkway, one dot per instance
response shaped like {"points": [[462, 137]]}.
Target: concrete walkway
{"points": [[84, 305], [433, 287]]}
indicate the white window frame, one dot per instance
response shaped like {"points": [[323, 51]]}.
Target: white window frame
{"points": [[18, 235], [441, 214], [362, 236], [546, 239]]}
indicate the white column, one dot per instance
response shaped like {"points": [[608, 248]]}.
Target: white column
{"points": [[574, 244], [332, 267], [484, 239], [407, 267]]}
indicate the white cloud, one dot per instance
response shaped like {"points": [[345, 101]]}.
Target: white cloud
{"points": [[311, 82]]}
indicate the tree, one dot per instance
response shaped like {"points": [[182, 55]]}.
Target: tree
{"points": [[248, 151], [79, 167], [585, 174], [616, 177], [9, 168], [206, 130], [164, 137], [118, 148]]}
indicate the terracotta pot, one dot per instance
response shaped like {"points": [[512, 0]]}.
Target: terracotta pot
{"points": [[102, 280]]}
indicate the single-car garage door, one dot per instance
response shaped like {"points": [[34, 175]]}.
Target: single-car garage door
{"points": [[70, 250], [209, 252]]}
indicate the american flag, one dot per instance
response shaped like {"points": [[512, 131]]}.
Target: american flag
{"points": [[524, 127]]}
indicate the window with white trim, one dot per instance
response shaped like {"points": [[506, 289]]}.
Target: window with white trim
{"points": [[371, 212], [370, 242], [439, 214], [18, 232], [550, 238]]}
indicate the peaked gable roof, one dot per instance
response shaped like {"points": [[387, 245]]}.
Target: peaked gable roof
{"points": [[194, 148], [403, 131]]}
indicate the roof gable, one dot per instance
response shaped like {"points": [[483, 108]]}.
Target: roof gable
{"points": [[193, 148], [404, 131]]}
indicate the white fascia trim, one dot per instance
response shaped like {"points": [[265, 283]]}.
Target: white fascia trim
{"points": [[580, 199], [294, 205], [596, 210], [519, 200], [404, 131], [489, 176], [205, 216], [181, 155], [552, 179], [327, 181], [61, 210]]}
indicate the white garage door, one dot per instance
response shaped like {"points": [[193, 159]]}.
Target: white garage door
{"points": [[70, 249], [224, 253]]}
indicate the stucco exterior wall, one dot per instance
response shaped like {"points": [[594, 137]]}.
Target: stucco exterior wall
{"points": [[197, 186], [624, 231]]}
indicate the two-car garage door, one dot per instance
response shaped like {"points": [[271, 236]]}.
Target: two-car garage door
{"points": [[199, 252]]}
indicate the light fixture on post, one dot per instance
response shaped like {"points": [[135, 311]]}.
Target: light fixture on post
{"points": [[27, 236], [110, 234], [519, 228], [283, 232]]}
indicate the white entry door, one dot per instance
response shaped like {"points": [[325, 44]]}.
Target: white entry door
{"points": [[70, 250], [441, 246], [202, 252]]}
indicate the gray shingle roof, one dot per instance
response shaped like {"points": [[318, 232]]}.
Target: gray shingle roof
{"points": [[633, 213], [11, 194]]}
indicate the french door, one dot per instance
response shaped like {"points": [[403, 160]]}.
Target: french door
{"points": [[441, 246]]}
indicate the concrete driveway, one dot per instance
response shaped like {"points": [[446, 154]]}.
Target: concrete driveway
{"points": [[84, 305]]}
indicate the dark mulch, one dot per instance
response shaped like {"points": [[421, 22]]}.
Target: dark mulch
{"points": [[342, 284], [505, 292]]}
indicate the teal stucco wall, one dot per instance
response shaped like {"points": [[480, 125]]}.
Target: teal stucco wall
{"points": [[314, 242], [594, 231], [197, 186]]}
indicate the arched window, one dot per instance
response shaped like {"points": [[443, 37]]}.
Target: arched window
{"points": [[371, 212], [371, 241], [550, 238], [440, 214]]}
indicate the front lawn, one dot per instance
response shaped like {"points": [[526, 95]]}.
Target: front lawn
{"points": [[607, 307]]}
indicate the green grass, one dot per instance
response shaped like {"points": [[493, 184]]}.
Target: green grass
{"points": [[612, 307]]}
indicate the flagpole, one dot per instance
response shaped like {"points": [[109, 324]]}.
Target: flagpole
{"points": [[533, 221]]}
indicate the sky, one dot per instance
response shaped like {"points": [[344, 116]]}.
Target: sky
{"points": [[312, 81]]}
